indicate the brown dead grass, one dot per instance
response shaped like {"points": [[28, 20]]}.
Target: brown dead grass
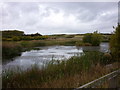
{"points": [[81, 78]]}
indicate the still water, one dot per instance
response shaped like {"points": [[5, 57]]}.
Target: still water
{"points": [[45, 54]]}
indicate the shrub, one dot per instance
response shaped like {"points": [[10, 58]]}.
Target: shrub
{"points": [[92, 38], [87, 38], [7, 39], [69, 36], [95, 39], [115, 43], [15, 38], [106, 59], [40, 37], [27, 38]]}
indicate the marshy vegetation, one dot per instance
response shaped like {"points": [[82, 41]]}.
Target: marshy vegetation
{"points": [[14, 42], [76, 66], [70, 73], [12, 49]]}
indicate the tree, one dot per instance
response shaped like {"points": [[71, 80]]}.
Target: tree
{"points": [[115, 43], [92, 38], [87, 38], [96, 38], [36, 34]]}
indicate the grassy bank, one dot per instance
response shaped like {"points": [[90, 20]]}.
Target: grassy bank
{"points": [[11, 49], [14, 42], [70, 73]]}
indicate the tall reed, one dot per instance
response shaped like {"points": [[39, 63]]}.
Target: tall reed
{"points": [[54, 70]]}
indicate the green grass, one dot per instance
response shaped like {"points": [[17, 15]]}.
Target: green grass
{"points": [[11, 49], [54, 70], [14, 48]]}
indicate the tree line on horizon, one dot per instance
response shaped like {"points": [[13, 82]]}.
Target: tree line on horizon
{"points": [[16, 35]]}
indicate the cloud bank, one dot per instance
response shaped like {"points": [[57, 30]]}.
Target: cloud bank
{"points": [[59, 17]]}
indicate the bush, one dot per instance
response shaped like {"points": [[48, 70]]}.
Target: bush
{"points": [[7, 39], [15, 38], [27, 38], [106, 59], [95, 39], [92, 38], [40, 37], [115, 43], [87, 38], [69, 36]]}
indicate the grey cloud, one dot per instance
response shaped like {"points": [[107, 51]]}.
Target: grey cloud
{"points": [[63, 17], [86, 16]]}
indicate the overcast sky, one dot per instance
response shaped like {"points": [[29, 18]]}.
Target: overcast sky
{"points": [[60, 17]]}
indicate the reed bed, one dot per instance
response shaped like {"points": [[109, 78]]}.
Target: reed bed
{"points": [[70, 73], [12, 49]]}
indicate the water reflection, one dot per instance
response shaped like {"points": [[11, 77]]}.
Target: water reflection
{"points": [[104, 47], [48, 53]]}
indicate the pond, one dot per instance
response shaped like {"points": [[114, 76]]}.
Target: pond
{"points": [[45, 54]]}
